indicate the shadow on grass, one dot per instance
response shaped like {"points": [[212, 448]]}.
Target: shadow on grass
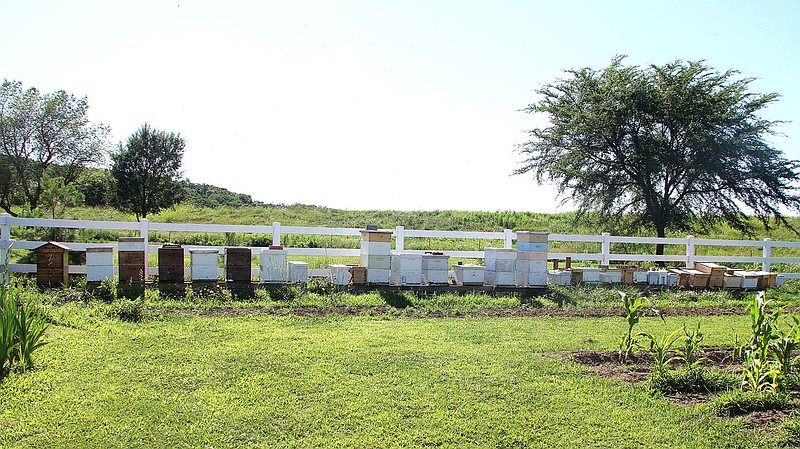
{"points": [[397, 300]]}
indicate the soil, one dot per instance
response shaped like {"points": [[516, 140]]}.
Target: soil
{"points": [[637, 369], [498, 312]]}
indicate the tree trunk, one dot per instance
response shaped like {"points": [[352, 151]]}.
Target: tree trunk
{"points": [[660, 232]]}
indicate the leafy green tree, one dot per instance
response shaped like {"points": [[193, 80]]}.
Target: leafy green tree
{"points": [[46, 134], [674, 147], [56, 197], [147, 171], [97, 187]]}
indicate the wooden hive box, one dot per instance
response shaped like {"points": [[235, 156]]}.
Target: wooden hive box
{"points": [[238, 262], [358, 275], [131, 260], [683, 276], [716, 273], [170, 263], [52, 264], [697, 278], [376, 236]]}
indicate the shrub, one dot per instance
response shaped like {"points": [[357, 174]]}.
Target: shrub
{"points": [[21, 330], [130, 310], [741, 402], [692, 380]]}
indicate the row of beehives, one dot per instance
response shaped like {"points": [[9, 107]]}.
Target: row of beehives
{"points": [[702, 275]]}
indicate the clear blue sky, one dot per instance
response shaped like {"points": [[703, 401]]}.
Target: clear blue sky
{"points": [[372, 104]]}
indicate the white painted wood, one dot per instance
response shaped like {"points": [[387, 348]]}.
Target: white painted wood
{"points": [[468, 274], [298, 272], [378, 276], [339, 274]]}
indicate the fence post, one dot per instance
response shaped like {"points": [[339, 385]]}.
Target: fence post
{"points": [[690, 251], [144, 232], [400, 238], [605, 249], [507, 239], [276, 233], [5, 242], [767, 254]]}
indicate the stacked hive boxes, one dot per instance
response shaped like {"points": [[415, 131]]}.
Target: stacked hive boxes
{"points": [[434, 269], [170, 263], [500, 266], [204, 264], [238, 263], [406, 269], [531, 264], [716, 273], [99, 263], [274, 265], [131, 260], [376, 249]]}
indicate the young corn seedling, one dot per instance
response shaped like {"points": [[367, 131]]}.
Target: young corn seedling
{"points": [[660, 349], [634, 310], [691, 348]]}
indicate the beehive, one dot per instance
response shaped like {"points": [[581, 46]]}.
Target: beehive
{"points": [[357, 275], [469, 274], [99, 263], [131, 260], [376, 247], [716, 273], [274, 266], [559, 277], [749, 278], [406, 269], [435, 269], [298, 272], [238, 264], [500, 266], [52, 264], [170, 263], [339, 274], [204, 264], [611, 276]]}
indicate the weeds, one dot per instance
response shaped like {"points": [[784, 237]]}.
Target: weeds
{"points": [[740, 402]]}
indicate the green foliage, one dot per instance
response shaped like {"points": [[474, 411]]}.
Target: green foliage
{"points": [[22, 328], [740, 402], [635, 308], [660, 349], [97, 187], [106, 291], [691, 346], [45, 135], [147, 171], [130, 310], [691, 380], [206, 195], [624, 143]]}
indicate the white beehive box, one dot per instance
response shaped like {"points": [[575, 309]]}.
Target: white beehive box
{"points": [[591, 275], [339, 274], [406, 261], [378, 276], [435, 269], [610, 277], [469, 274], [640, 277], [500, 278], [749, 278], [274, 265], [531, 279], [732, 281], [375, 248], [376, 262], [204, 264], [500, 259], [99, 263], [779, 281], [559, 277], [298, 272], [130, 244], [531, 266]]}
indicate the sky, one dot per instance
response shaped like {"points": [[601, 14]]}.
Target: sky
{"points": [[408, 105]]}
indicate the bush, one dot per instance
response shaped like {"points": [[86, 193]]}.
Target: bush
{"points": [[692, 380], [741, 402], [130, 310], [21, 330]]}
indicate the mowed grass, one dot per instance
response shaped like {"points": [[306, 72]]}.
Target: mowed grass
{"points": [[266, 381]]}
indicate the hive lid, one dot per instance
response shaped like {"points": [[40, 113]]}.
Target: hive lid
{"points": [[100, 249], [50, 245], [204, 251], [131, 239], [171, 246]]}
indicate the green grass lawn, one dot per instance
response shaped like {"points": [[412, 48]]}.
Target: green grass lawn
{"points": [[266, 381]]}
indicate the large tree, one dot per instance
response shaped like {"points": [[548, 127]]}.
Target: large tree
{"points": [[673, 147], [148, 171], [46, 135]]}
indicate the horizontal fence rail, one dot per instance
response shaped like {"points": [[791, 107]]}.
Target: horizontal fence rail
{"points": [[504, 239]]}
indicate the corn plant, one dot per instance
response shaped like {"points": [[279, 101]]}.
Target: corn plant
{"points": [[634, 310], [783, 347], [660, 349], [760, 373], [691, 347]]}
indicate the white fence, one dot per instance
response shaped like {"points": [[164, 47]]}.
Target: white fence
{"points": [[605, 256]]}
